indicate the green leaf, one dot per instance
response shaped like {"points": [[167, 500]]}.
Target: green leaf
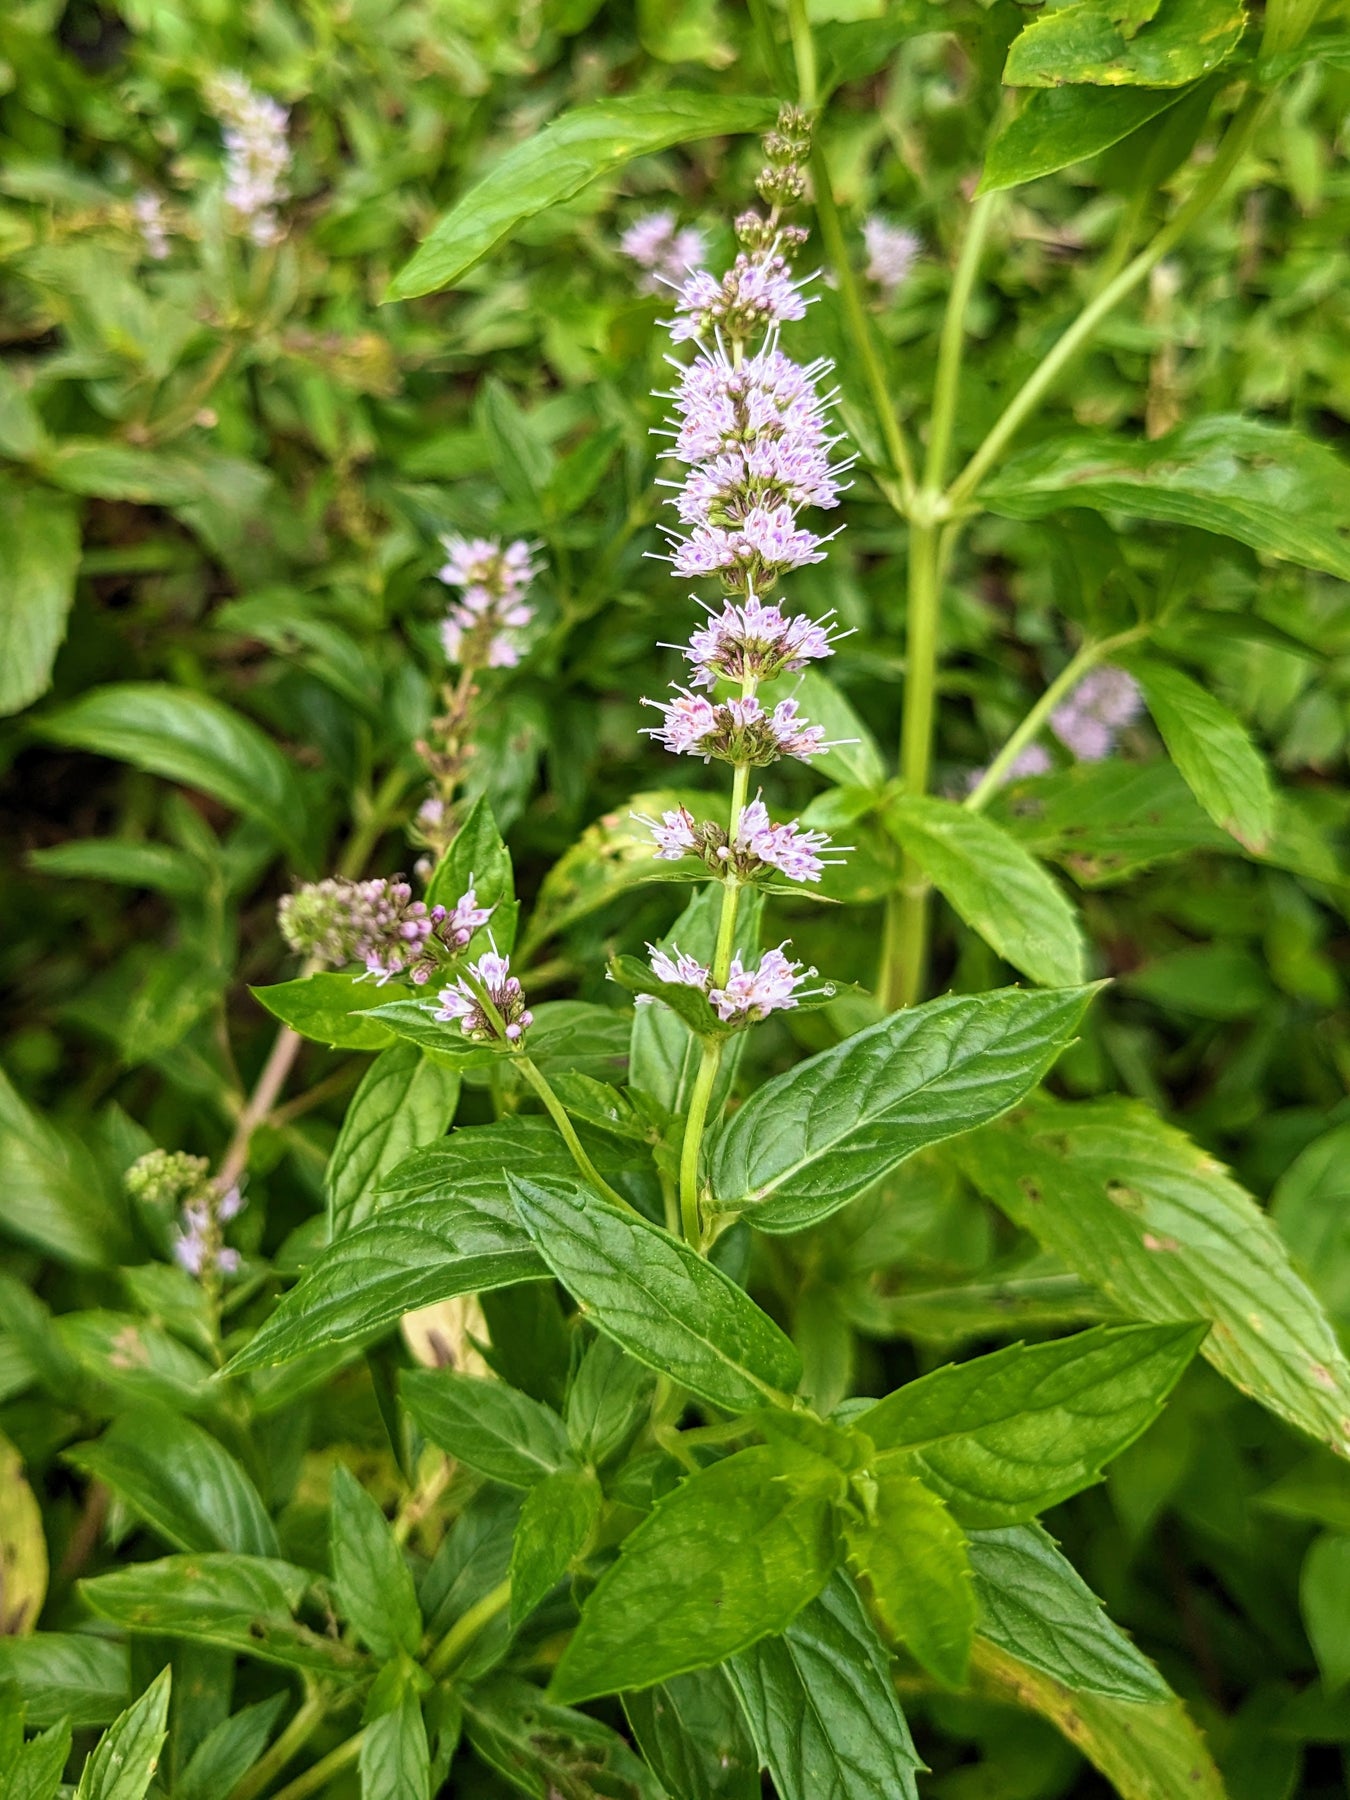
{"points": [[814, 1138], [112, 471], [1311, 1207], [687, 1003], [138, 1360], [1265, 486], [1053, 128], [33, 1771], [479, 859], [913, 1554], [1221, 765], [23, 1547], [372, 1581], [549, 1751], [404, 1101], [521, 460], [554, 164], [156, 866], [327, 1009], [1086, 41], [492, 1427], [242, 1603], [1006, 1435], [1035, 1605], [456, 1234], [64, 1675], [1146, 1752], [39, 559], [731, 1556], [415, 1022], [657, 1297], [1324, 1598], [610, 1397], [189, 738], [52, 1190], [181, 1481], [822, 1708], [228, 1751], [1167, 1234], [556, 1522], [993, 884], [691, 1731], [1105, 821], [124, 1762], [395, 1759], [23, 436]]}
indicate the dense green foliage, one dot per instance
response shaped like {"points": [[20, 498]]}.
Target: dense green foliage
{"points": [[938, 1390]]}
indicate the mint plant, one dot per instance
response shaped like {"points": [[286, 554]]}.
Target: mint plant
{"points": [[661, 1389]]}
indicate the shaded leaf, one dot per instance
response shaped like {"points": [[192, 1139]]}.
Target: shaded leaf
{"points": [[39, 559], [404, 1101], [1216, 756], [546, 1750], [371, 1579], [493, 1428], [1053, 128]]}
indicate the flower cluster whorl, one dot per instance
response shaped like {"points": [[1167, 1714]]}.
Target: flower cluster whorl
{"points": [[378, 923], [481, 628], [257, 155]]}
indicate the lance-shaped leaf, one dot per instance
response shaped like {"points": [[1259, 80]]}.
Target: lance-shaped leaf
{"points": [[123, 1764], [1098, 41], [691, 1731], [480, 859], [553, 164], [405, 1100], [657, 1297], [372, 1581], [1034, 1604], [1146, 1752], [814, 1138], [495, 1429], [1166, 1233], [190, 738], [1053, 128], [1004, 1436], [992, 883], [456, 1234], [822, 1708], [183, 1482], [39, 559], [689, 1003], [64, 1675], [545, 1750], [327, 1008], [731, 1556], [1221, 765], [556, 1522], [1265, 486], [913, 1556], [242, 1603]]}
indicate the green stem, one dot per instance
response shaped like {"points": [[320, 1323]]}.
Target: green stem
{"points": [[558, 1113], [951, 345], [803, 55], [466, 1628], [273, 1761], [1038, 383], [323, 1771], [1087, 657]]}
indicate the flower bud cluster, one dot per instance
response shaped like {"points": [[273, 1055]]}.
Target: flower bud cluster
{"points": [[504, 1017], [378, 923], [257, 155], [748, 995], [1090, 721], [480, 630], [667, 253], [782, 180]]}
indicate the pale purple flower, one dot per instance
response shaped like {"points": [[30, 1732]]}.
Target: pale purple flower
{"points": [[666, 253], [737, 730], [1033, 760], [374, 922], [795, 737], [674, 834], [756, 292], [464, 1002], [752, 994], [754, 641], [154, 226], [1089, 722], [688, 722], [765, 544], [721, 405], [480, 628], [891, 250], [257, 156], [679, 969], [759, 843], [199, 1248], [458, 926]]}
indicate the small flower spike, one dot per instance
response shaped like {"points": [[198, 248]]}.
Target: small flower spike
{"points": [[752, 994], [736, 731], [491, 976], [1090, 721], [481, 629], [257, 156], [377, 923]]}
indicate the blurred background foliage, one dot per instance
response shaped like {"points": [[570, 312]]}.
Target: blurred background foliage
{"points": [[238, 461]]}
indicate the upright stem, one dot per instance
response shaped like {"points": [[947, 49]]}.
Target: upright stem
{"points": [[951, 345], [274, 1760], [696, 1120], [1038, 383], [803, 55], [466, 1628], [322, 1772], [558, 1113]]}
